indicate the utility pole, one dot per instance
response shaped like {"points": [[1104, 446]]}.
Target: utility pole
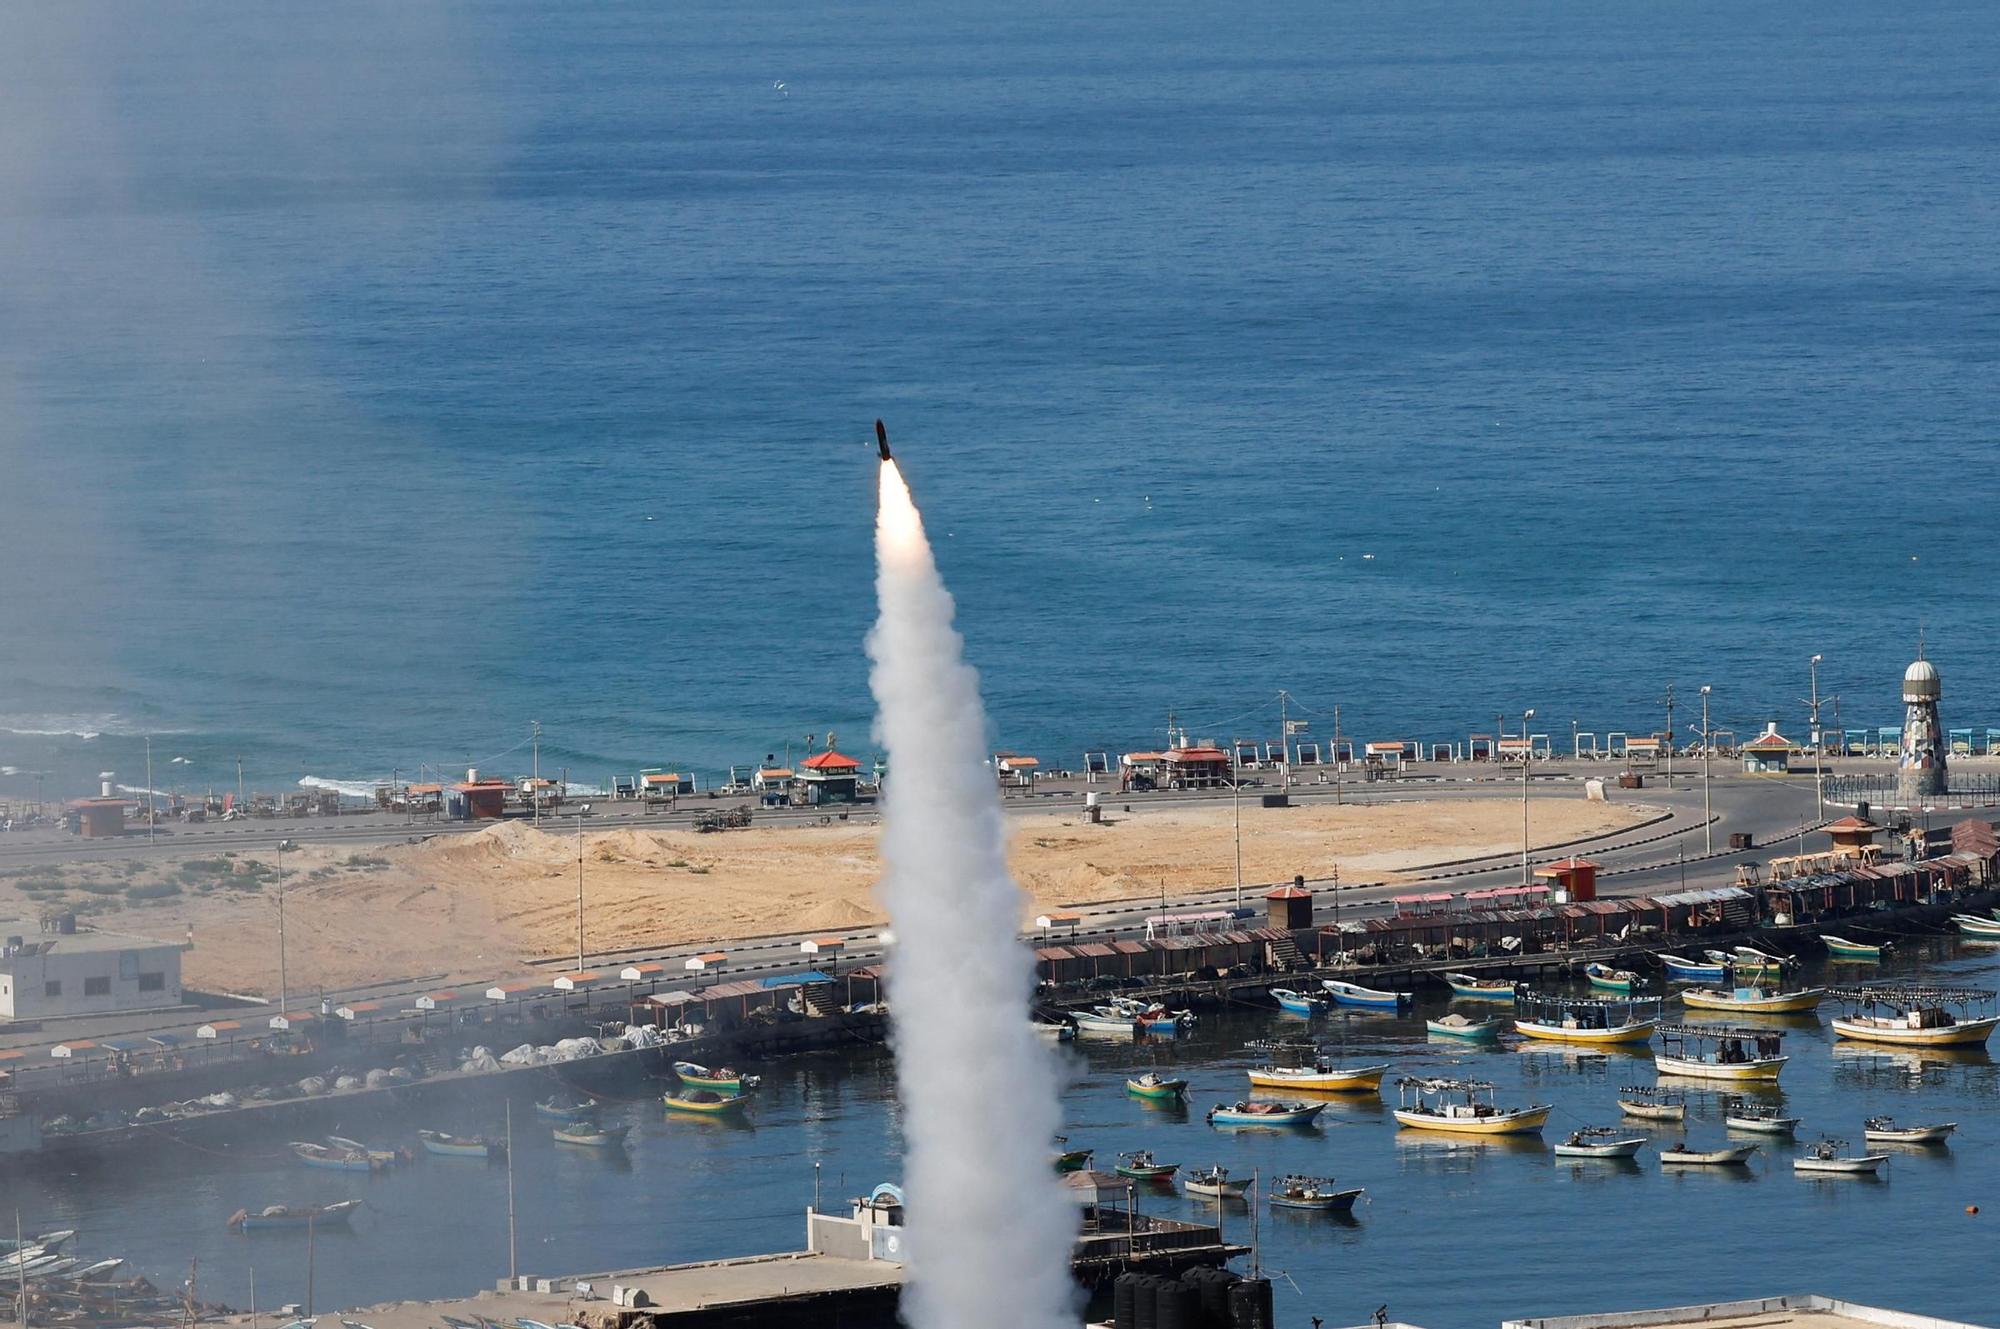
{"points": [[1236, 815], [535, 794], [152, 813], [1670, 736], [1527, 761], [1285, 735], [284, 984], [579, 891], [1707, 808], [239, 785], [1818, 746], [513, 1267], [1339, 763]]}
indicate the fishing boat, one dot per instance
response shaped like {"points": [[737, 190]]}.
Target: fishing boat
{"points": [[1840, 948], [294, 1216], [460, 1146], [705, 1102], [1101, 1022], [1680, 1155], [566, 1109], [1750, 960], [382, 1157], [1474, 988], [1458, 1026], [1972, 926], [1753, 1000], [1053, 1032], [1758, 1120], [1155, 1086], [1298, 1003], [1599, 1142], [1140, 1165], [1586, 1019], [1647, 1103], [1249, 1112], [1825, 1156], [1680, 969], [1463, 1107], [1884, 1130], [1148, 1018], [724, 1079], [1910, 1013], [1299, 1064], [1216, 1183], [1606, 979], [1070, 1160], [336, 1160], [1719, 1052], [1345, 993], [1314, 1193], [47, 1241], [591, 1135]]}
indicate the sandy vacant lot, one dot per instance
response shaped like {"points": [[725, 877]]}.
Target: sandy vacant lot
{"points": [[477, 906]]}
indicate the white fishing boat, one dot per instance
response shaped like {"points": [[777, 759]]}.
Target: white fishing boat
{"points": [[1099, 1022], [1750, 960], [1718, 1052], [1216, 1183], [1985, 929], [1680, 969], [1345, 993], [1474, 988], [1758, 1120], [1599, 1142], [1731, 1156], [1884, 1130], [1753, 1000], [1646, 1103], [1916, 1014], [1463, 1107], [1825, 1156], [1315, 1193]]}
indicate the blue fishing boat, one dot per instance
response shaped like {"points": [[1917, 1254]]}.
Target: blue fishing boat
{"points": [[1481, 989], [460, 1146], [1353, 994], [294, 1216], [1298, 1003], [337, 1160], [1680, 969], [1253, 1113]]}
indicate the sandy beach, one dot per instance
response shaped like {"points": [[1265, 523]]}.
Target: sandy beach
{"points": [[481, 905]]}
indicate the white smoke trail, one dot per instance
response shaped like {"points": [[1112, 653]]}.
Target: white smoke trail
{"points": [[990, 1227]]}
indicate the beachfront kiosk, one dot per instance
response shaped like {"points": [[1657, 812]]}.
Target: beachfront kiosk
{"points": [[1770, 753], [1570, 880], [829, 777]]}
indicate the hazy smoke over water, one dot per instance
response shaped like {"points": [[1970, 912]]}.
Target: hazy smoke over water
{"points": [[990, 1228]]}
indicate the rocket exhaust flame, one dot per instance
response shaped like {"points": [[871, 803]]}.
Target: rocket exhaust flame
{"points": [[990, 1228]]}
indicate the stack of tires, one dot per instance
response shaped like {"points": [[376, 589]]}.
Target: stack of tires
{"points": [[1201, 1298]]}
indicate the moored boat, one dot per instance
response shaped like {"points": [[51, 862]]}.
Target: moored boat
{"points": [[1298, 1003], [724, 1079], [1680, 969], [336, 1160], [1250, 1112], [294, 1216], [1606, 979], [1599, 1142], [591, 1135], [563, 1108], [1099, 1022], [1155, 1086], [1140, 1165], [1908, 1013], [1750, 960], [1647, 1103], [1731, 1156], [382, 1157], [1474, 988], [460, 1146], [1825, 1156], [1345, 993], [1840, 948], [1758, 1120], [1718, 1052], [1463, 1107], [1315, 1193], [1884, 1130], [1985, 928], [1216, 1183], [1070, 1160], [1586, 1019], [1753, 1000], [705, 1102], [1299, 1064], [1458, 1026]]}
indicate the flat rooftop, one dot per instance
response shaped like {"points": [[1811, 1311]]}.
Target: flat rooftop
{"points": [[73, 943], [1806, 1311]]}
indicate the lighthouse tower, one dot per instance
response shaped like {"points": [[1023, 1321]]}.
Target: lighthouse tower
{"points": [[1920, 773]]}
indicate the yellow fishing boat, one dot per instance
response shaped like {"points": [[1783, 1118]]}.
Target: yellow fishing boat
{"points": [[1298, 1064], [1598, 1020], [1753, 1000], [1915, 1014], [1717, 1052], [705, 1101], [1463, 1107]]}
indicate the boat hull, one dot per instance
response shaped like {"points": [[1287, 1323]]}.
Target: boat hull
{"points": [[458, 1150], [1709, 1158], [1840, 1166], [1338, 1203], [1785, 1003], [1157, 1092], [1985, 928], [1613, 1149], [1361, 1079], [1763, 1068], [714, 1109], [1610, 980], [1687, 971], [1555, 1033], [1350, 994], [1223, 1190], [1653, 1111], [1475, 992], [1915, 1135], [1302, 1117], [1482, 1030], [1525, 1122], [1160, 1173], [1963, 1034]]}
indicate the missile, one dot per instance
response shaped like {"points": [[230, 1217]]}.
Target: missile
{"points": [[882, 440]]}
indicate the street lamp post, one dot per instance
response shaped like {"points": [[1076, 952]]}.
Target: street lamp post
{"points": [[284, 982], [1527, 760], [1707, 808], [1236, 815], [579, 891], [1819, 747]]}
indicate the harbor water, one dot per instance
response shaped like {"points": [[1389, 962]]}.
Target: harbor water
{"points": [[1454, 1233], [375, 387]]}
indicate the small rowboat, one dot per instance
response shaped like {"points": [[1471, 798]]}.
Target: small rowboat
{"points": [[705, 1102], [294, 1216], [1759, 1121], [1825, 1156], [1604, 977], [725, 1079], [1985, 928], [1314, 1193], [1457, 1026], [1154, 1086], [1840, 948], [1140, 1166], [565, 1109], [1481, 989], [1599, 1142], [1750, 960], [1652, 1105], [1884, 1130], [1683, 970], [1353, 994], [1250, 1113], [1733, 1156], [1298, 1003], [1215, 1183], [336, 1160], [1098, 1022], [46, 1242], [460, 1146], [590, 1135], [1752, 1000], [381, 1157]]}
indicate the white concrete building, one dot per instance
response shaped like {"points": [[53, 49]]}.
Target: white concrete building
{"points": [[47, 975]]}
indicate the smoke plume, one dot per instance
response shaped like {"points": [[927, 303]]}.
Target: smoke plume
{"points": [[990, 1228]]}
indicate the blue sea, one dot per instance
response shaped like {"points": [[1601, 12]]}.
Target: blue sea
{"points": [[378, 379]]}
